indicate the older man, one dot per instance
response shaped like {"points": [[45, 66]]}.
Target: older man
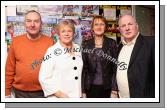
{"points": [[137, 79], [24, 59]]}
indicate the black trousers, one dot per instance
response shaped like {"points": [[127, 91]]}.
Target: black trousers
{"points": [[98, 91], [28, 94]]}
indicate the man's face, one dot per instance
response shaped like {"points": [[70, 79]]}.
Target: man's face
{"points": [[128, 27], [32, 23]]}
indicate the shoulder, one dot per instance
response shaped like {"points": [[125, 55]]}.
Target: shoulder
{"points": [[47, 38], [52, 48], [87, 43], [50, 51], [43, 35], [19, 38], [76, 45], [148, 39], [147, 42], [110, 41]]}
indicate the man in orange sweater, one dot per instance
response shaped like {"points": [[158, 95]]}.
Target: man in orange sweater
{"points": [[24, 58]]}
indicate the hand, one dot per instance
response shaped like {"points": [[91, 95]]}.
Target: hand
{"points": [[8, 96], [114, 94], [83, 95], [60, 94], [63, 95]]}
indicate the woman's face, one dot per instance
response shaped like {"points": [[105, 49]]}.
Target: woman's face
{"points": [[99, 27], [66, 34]]}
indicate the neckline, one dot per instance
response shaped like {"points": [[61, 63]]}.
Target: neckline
{"points": [[32, 38]]}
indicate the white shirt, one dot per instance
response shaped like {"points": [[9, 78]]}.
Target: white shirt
{"points": [[122, 78], [61, 71]]}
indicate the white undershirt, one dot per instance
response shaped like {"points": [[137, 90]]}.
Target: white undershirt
{"points": [[122, 79]]}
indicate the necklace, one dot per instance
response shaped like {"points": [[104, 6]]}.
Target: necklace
{"points": [[99, 44]]}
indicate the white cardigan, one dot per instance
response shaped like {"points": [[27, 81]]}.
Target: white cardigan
{"points": [[61, 71]]}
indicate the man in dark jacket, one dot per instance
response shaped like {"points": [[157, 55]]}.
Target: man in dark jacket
{"points": [[137, 79]]}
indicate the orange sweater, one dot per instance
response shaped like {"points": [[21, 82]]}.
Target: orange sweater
{"points": [[23, 63]]}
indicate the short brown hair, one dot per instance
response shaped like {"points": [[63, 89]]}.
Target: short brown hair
{"points": [[101, 18]]}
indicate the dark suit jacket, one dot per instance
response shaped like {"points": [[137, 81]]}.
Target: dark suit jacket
{"points": [[108, 67], [141, 70]]}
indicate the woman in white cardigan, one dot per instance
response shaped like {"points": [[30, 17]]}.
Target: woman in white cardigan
{"points": [[60, 72]]}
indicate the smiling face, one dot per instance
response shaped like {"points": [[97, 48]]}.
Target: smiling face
{"points": [[66, 34], [33, 23], [98, 27], [128, 27]]}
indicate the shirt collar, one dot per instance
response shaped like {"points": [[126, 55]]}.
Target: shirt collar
{"points": [[60, 46], [76, 46], [132, 42]]}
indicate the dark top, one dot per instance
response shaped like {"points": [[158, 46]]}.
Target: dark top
{"points": [[108, 68], [98, 74]]}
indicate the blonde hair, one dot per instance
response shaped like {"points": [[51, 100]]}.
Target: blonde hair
{"points": [[65, 23]]}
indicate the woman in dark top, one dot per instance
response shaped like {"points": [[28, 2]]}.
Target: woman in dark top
{"points": [[98, 76]]}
